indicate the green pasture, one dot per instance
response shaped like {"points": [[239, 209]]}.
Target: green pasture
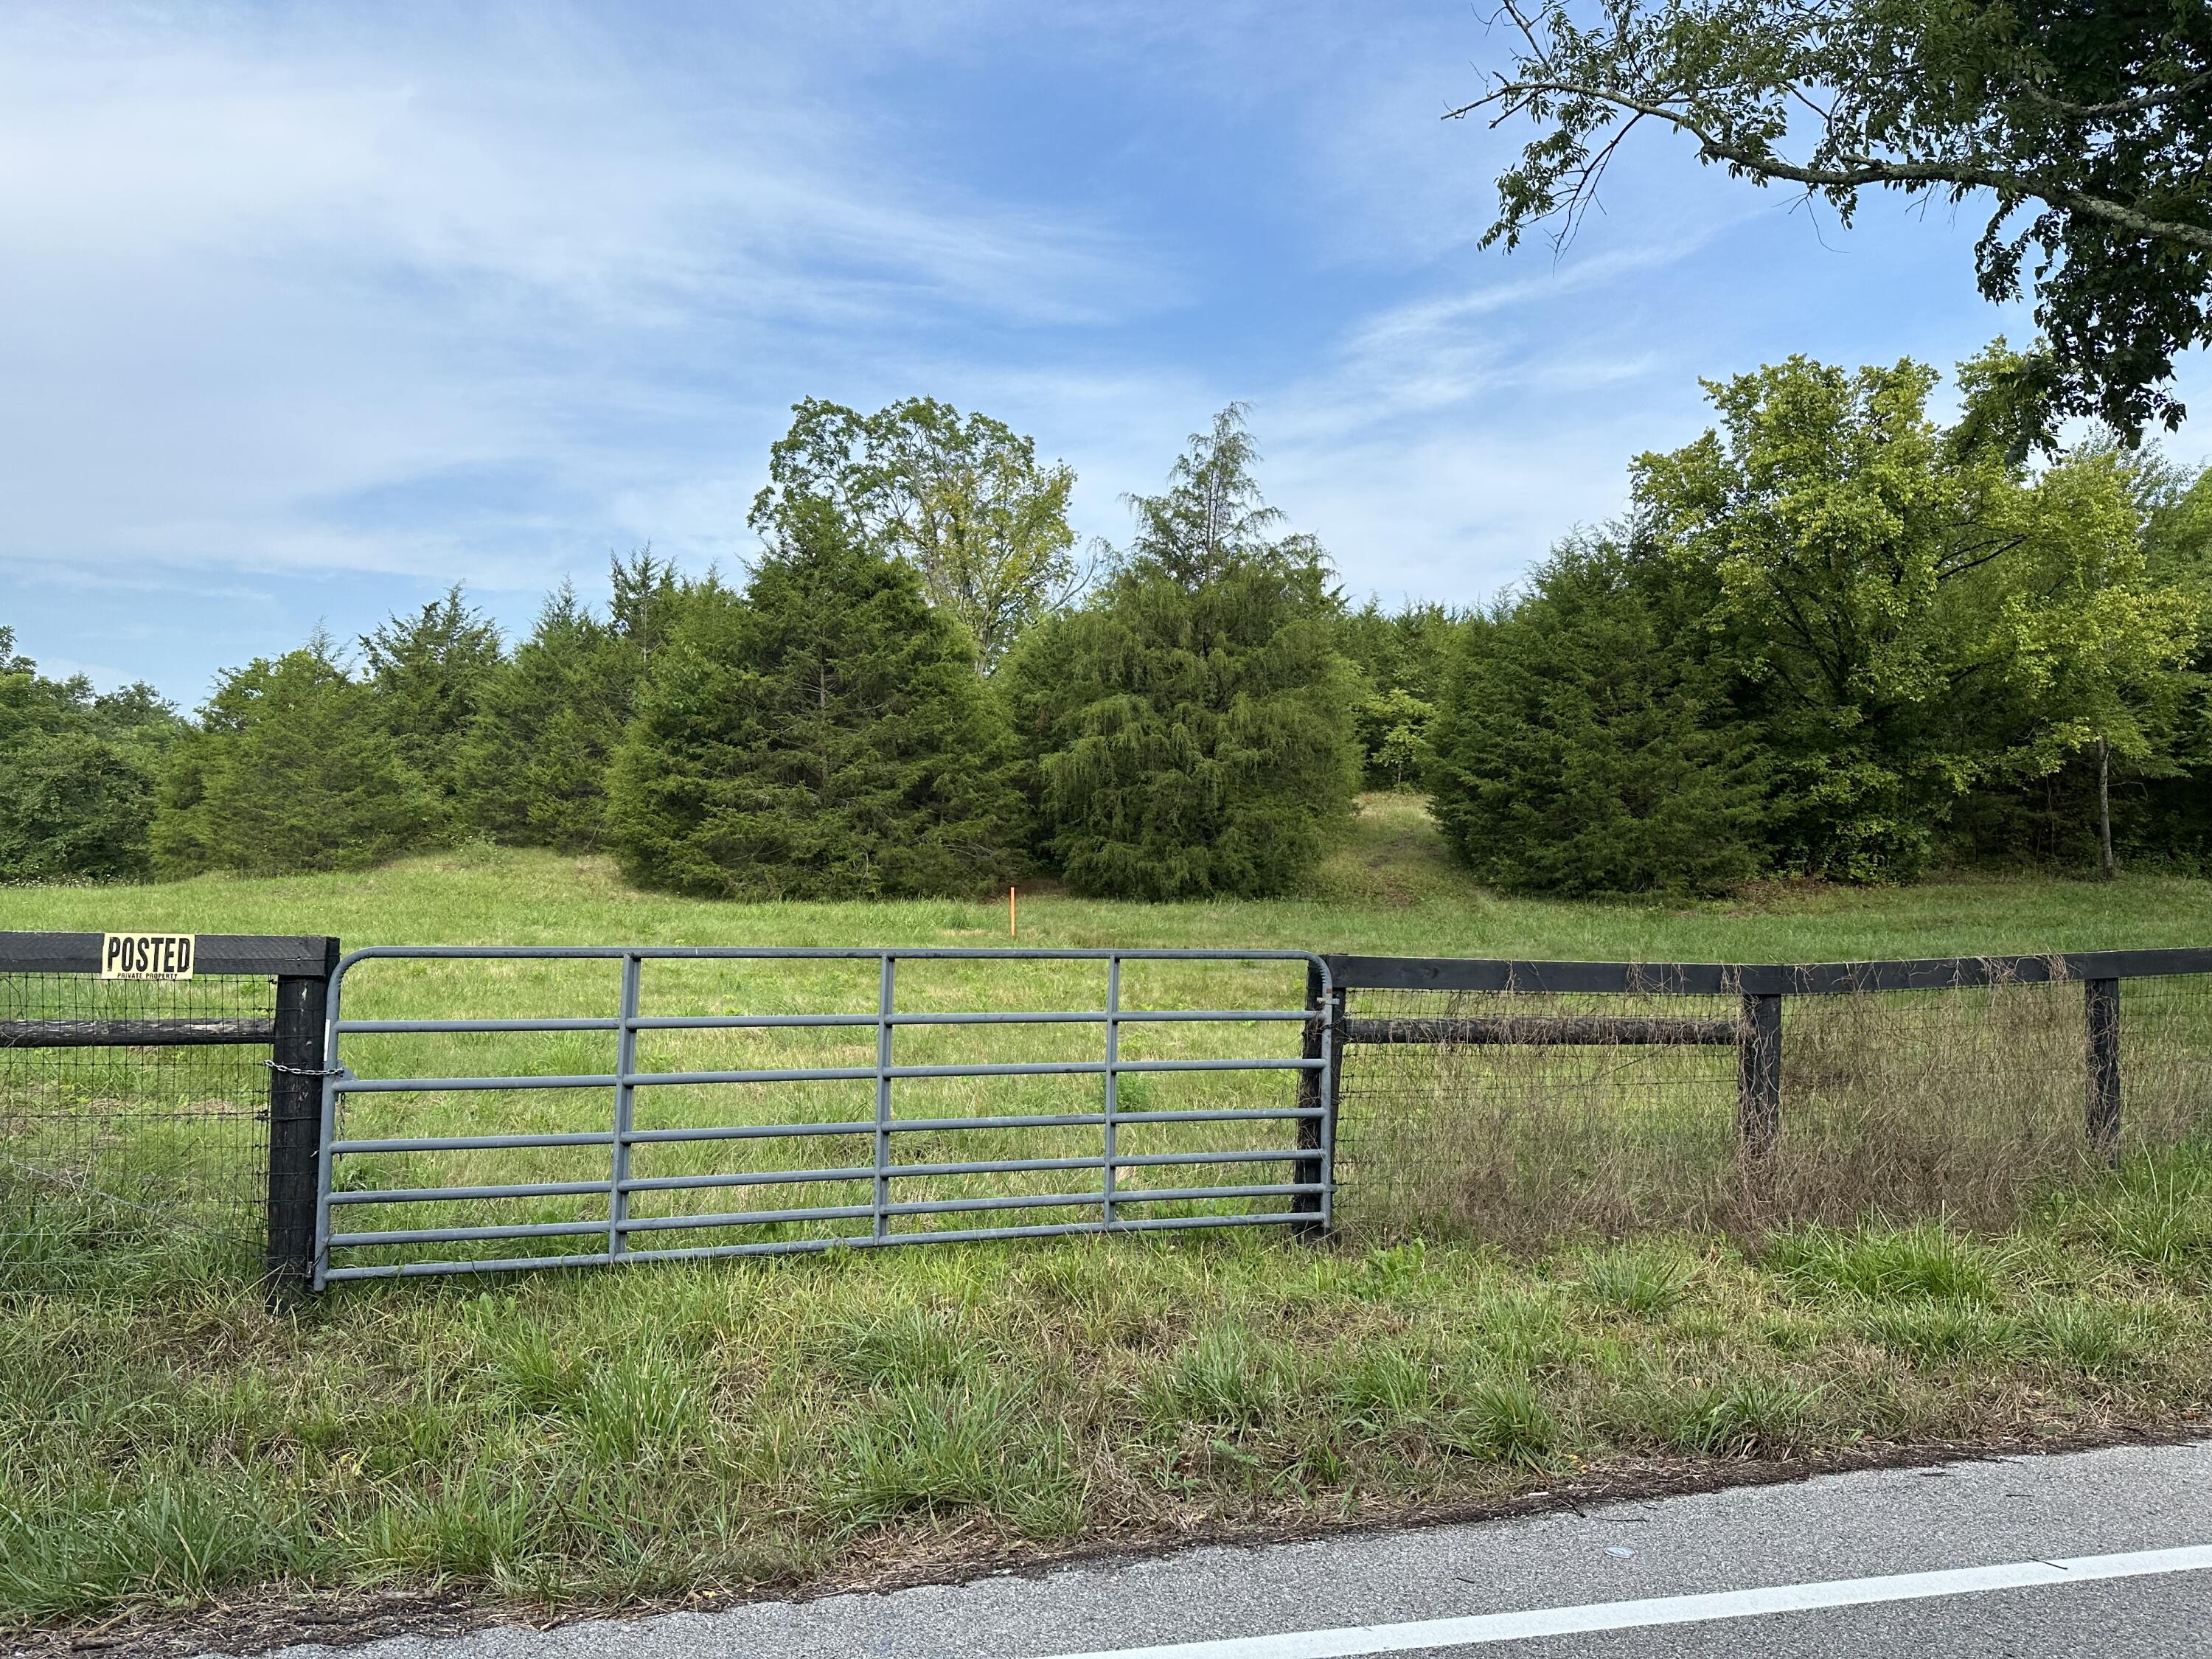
{"points": [[1548, 1272]]}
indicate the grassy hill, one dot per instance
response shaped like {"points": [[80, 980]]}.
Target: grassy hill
{"points": [[1390, 889]]}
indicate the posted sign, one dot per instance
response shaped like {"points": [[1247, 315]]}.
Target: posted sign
{"points": [[146, 956]]}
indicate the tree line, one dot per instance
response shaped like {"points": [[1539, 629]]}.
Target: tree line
{"points": [[1832, 637]]}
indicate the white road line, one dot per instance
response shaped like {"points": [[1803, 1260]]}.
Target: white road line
{"points": [[1349, 1641]]}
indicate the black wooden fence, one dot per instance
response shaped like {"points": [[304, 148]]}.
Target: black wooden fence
{"points": [[1481, 1003], [113, 1089]]}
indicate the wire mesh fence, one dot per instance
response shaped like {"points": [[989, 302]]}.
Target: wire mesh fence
{"points": [[105, 1140], [1538, 1113]]}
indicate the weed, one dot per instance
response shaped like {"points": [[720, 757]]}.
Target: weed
{"points": [[903, 1346], [1646, 1281], [1926, 1259], [1225, 1378], [2093, 1338], [1931, 1332], [2158, 1214], [1378, 1390], [932, 1448], [1504, 1422], [1751, 1417]]}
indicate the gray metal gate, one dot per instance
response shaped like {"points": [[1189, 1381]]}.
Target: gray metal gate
{"points": [[1135, 1189]]}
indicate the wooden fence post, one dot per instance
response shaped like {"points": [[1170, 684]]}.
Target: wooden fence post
{"points": [[1759, 1079], [2100, 1000], [295, 1124]]}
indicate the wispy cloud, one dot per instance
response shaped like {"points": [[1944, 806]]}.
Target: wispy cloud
{"points": [[306, 311]]}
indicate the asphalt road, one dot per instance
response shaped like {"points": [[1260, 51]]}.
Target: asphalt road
{"points": [[2104, 1554]]}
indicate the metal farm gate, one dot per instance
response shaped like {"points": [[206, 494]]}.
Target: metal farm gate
{"points": [[622, 1159]]}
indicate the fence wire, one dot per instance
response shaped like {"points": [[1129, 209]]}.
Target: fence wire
{"points": [[1964, 1101], [102, 1146]]}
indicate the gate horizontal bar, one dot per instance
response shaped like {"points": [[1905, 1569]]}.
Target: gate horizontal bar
{"points": [[443, 1195], [778, 1177], [1538, 1032], [1033, 1121], [786, 1247], [455, 1235], [773, 1131], [748, 1021], [362, 1085], [824, 1212], [988, 1166], [476, 1143], [1021, 1068]]}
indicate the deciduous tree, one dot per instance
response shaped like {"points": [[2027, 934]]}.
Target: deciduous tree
{"points": [[962, 497], [2085, 128]]}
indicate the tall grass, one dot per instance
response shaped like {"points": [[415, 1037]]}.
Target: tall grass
{"points": [[1969, 1103], [597, 1438], [166, 1439]]}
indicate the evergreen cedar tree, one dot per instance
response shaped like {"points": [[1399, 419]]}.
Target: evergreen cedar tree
{"points": [[1193, 740], [1580, 751], [430, 673], [1191, 727], [824, 735], [533, 765], [291, 770]]}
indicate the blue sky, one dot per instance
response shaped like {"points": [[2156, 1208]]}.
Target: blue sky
{"points": [[307, 311]]}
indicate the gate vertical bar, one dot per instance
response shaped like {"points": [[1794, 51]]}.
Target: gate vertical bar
{"points": [[1759, 1078], [1113, 1091], [633, 973], [1311, 1093], [885, 1004], [1332, 1096], [327, 1131], [295, 1124], [2100, 1000]]}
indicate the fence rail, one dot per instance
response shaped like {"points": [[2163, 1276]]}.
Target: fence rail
{"points": [[1757, 978]]}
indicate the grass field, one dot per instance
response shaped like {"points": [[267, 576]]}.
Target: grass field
{"points": [[167, 1441]]}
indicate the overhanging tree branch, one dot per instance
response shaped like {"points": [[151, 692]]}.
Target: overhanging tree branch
{"points": [[1864, 171]]}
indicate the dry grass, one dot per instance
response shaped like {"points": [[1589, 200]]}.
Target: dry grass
{"points": [[1968, 1103]]}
